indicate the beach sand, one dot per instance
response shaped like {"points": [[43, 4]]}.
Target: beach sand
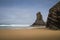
{"points": [[29, 34]]}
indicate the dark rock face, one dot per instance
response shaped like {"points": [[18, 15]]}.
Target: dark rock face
{"points": [[39, 21], [53, 20]]}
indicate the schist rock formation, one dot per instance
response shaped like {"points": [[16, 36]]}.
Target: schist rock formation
{"points": [[39, 21], [53, 20]]}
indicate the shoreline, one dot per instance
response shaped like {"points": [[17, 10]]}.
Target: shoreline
{"points": [[28, 27]]}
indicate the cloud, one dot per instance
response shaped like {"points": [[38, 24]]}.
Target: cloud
{"points": [[23, 12], [16, 15]]}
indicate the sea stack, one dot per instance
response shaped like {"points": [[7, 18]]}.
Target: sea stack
{"points": [[39, 21], [53, 20]]}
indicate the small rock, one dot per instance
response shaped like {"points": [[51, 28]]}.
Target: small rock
{"points": [[39, 21]]}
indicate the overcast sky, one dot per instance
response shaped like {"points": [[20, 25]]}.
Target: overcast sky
{"points": [[23, 11]]}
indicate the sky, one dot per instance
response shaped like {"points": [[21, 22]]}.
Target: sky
{"points": [[24, 11]]}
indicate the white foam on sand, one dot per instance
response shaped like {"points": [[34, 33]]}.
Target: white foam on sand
{"points": [[15, 25], [19, 27]]}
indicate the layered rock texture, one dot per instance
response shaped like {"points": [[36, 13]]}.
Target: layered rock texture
{"points": [[39, 21], [53, 20]]}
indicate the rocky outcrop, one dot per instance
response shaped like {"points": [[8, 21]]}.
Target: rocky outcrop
{"points": [[53, 20], [39, 21]]}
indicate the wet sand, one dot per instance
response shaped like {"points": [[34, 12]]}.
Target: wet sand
{"points": [[29, 34]]}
